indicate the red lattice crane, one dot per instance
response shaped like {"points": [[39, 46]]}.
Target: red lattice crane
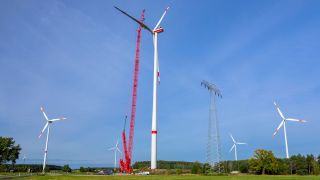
{"points": [[125, 163]]}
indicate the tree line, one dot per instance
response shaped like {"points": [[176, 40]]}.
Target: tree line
{"points": [[32, 168], [164, 164], [262, 162]]}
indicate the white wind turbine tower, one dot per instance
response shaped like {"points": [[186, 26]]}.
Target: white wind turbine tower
{"points": [[283, 123], [156, 79], [47, 126], [235, 143], [115, 149]]}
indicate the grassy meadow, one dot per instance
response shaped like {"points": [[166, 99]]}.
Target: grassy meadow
{"points": [[187, 177]]}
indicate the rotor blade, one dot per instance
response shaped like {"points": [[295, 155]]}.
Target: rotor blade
{"points": [[58, 119], [232, 138], [113, 148], [44, 128], [44, 114], [240, 143], [140, 23], [232, 147], [296, 120], [165, 11], [117, 143], [280, 125], [119, 150], [278, 109]]}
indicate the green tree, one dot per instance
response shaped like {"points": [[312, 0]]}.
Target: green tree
{"points": [[206, 168], [178, 171], [316, 168], [299, 164], [263, 162], [196, 168], [82, 169], [310, 160], [284, 166], [8, 150], [3, 168], [244, 166], [66, 168]]}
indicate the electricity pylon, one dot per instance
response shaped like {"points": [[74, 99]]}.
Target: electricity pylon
{"points": [[213, 145]]}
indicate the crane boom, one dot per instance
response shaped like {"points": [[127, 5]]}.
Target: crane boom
{"points": [[135, 87], [125, 165]]}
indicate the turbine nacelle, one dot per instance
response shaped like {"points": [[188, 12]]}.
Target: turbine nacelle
{"points": [[156, 29], [159, 30]]}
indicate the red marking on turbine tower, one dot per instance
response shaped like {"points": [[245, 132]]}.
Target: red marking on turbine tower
{"points": [[125, 164]]}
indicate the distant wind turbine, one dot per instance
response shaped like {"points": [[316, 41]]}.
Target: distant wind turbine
{"points": [[283, 123], [115, 149], [235, 143], [47, 126], [24, 159]]}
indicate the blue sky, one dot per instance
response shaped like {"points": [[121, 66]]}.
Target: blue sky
{"points": [[76, 59]]}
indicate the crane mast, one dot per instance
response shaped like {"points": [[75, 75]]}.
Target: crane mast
{"points": [[125, 164]]}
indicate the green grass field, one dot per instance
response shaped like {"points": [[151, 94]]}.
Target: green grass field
{"points": [[188, 177]]}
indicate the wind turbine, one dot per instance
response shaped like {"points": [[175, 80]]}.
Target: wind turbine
{"points": [[115, 149], [47, 126], [156, 80], [283, 123], [235, 143], [24, 159]]}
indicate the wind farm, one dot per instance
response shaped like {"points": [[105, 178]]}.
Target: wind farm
{"points": [[96, 64]]}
